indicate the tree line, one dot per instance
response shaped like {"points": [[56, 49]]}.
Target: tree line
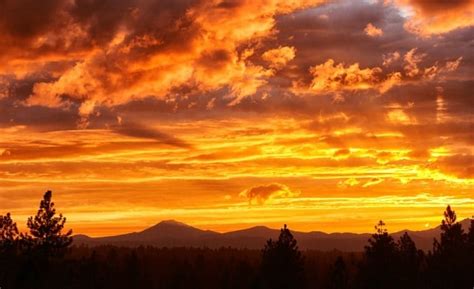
{"points": [[44, 257]]}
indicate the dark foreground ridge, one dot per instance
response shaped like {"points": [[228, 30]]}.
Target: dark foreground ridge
{"points": [[171, 233]]}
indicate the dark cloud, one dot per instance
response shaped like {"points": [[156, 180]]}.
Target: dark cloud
{"points": [[460, 165], [440, 6], [27, 18]]}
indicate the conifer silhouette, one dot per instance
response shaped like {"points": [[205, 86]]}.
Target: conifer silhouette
{"points": [[470, 244], [46, 228], [379, 269], [282, 263], [470, 235], [450, 256], [410, 261], [452, 234], [8, 233]]}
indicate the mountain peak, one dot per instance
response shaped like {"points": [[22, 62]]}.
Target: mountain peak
{"points": [[256, 231], [172, 222], [169, 226], [173, 229]]}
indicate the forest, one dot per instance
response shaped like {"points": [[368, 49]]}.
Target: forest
{"points": [[45, 257]]}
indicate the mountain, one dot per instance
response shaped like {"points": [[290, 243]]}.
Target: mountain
{"points": [[424, 239], [168, 233], [171, 233]]}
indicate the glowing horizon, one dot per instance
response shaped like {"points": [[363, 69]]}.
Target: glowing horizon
{"points": [[224, 115]]}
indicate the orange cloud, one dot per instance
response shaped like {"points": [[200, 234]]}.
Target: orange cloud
{"points": [[280, 56], [390, 58], [412, 59], [399, 116], [199, 48], [437, 17], [263, 193], [453, 65], [332, 77], [373, 31], [4, 87]]}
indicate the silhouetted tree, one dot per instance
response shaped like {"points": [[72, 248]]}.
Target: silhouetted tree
{"points": [[339, 278], [379, 269], [452, 234], [282, 263], [8, 233], [470, 244], [470, 235], [385, 264], [410, 261], [46, 228], [8, 250], [450, 257]]}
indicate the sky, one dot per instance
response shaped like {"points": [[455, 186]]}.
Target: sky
{"points": [[226, 114]]}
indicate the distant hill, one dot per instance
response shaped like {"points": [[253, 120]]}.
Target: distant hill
{"points": [[175, 234]]}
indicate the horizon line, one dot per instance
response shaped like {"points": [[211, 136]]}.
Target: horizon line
{"points": [[256, 226]]}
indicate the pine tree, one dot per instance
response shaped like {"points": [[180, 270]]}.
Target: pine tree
{"points": [[452, 234], [470, 235], [46, 226], [379, 269], [410, 261], [9, 258], [8, 233], [448, 263], [470, 244], [282, 263]]}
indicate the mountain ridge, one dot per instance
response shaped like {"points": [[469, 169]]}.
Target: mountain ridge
{"points": [[172, 233]]}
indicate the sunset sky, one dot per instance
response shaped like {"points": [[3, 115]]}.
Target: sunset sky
{"points": [[225, 114]]}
